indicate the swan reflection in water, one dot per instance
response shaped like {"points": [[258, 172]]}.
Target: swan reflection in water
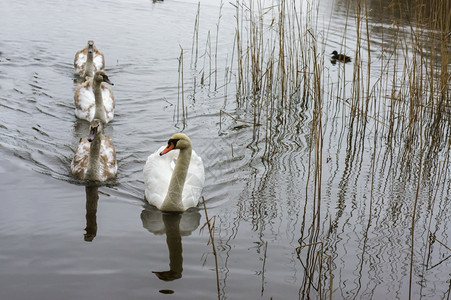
{"points": [[174, 225], [92, 196]]}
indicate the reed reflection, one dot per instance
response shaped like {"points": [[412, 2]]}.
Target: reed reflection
{"points": [[175, 226]]}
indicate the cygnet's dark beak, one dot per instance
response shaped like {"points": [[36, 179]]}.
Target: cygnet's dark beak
{"points": [[107, 80], [92, 134]]}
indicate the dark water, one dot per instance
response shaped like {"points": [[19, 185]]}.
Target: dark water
{"points": [[60, 239]]}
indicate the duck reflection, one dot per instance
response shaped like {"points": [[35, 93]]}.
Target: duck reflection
{"points": [[92, 196], [174, 225]]}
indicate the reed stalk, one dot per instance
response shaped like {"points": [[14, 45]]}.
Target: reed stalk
{"points": [[212, 241], [181, 91], [195, 43]]}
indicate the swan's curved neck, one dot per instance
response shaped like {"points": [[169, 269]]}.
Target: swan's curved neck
{"points": [[173, 200], [100, 110], [92, 173], [89, 70]]}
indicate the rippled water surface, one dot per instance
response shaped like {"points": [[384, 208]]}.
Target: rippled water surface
{"points": [[61, 239]]}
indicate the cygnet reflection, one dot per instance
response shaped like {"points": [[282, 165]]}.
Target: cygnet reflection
{"points": [[92, 196]]}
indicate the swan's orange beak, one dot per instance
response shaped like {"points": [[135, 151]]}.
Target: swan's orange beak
{"points": [[168, 148]]}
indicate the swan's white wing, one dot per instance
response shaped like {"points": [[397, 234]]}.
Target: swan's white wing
{"points": [[98, 62], [85, 103], [195, 179], [79, 163], [108, 165], [108, 102], [80, 62], [157, 176]]}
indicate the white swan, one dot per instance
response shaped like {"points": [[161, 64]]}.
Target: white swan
{"points": [[174, 179], [88, 60], [95, 158], [94, 99]]}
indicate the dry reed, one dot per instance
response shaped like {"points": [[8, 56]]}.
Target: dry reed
{"points": [[400, 98]]}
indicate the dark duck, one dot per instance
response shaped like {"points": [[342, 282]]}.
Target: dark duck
{"points": [[340, 57]]}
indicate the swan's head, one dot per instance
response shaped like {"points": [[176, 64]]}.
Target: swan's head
{"points": [[177, 141], [101, 76], [90, 46], [95, 129]]}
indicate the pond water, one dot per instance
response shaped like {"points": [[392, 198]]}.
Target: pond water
{"points": [[59, 238]]}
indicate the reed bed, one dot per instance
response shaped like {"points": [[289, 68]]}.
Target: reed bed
{"points": [[395, 94]]}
